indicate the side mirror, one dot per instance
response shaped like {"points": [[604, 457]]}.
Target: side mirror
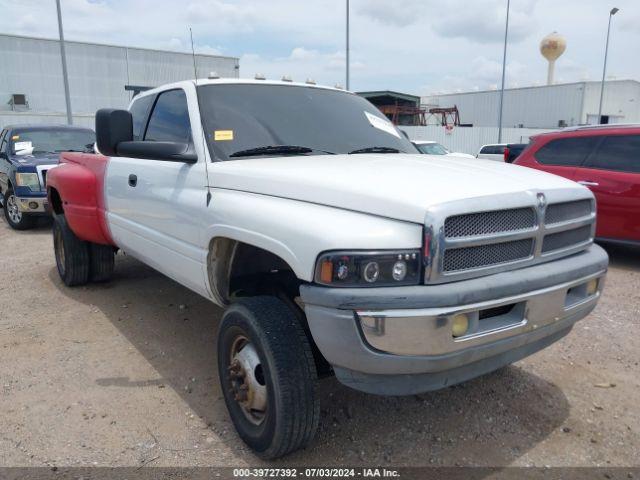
{"points": [[168, 151], [113, 127]]}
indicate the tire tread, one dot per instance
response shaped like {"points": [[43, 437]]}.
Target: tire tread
{"points": [[293, 369]]}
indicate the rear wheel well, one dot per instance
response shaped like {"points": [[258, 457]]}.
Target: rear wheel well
{"points": [[238, 270]]}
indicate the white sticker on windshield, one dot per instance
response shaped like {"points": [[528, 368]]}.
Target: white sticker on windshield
{"points": [[21, 146], [382, 124]]}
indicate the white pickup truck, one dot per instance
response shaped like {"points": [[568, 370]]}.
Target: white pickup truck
{"points": [[334, 247]]}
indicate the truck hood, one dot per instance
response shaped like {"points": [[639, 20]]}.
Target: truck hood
{"points": [[34, 160], [399, 186]]}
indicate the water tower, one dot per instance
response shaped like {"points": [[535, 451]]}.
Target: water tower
{"points": [[551, 47]]}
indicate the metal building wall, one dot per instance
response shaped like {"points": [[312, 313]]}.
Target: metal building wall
{"points": [[544, 106], [621, 101], [97, 76], [532, 107]]}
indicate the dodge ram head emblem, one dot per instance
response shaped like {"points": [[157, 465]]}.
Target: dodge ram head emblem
{"points": [[542, 201]]}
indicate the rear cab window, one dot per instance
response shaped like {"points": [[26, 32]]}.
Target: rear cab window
{"points": [[493, 149], [566, 152]]}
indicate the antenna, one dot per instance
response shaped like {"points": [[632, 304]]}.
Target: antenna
{"points": [[204, 140], [193, 55]]}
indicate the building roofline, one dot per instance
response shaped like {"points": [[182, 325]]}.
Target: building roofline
{"points": [[374, 93], [28, 37], [583, 82]]}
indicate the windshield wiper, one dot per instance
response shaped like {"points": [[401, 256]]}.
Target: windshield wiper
{"points": [[275, 149], [375, 150]]}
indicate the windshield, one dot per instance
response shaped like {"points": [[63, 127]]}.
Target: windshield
{"points": [[432, 149], [310, 121], [52, 141]]}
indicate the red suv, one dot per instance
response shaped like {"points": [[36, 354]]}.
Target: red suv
{"points": [[605, 159]]}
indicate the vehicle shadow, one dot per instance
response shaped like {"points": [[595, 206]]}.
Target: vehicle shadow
{"points": [[490, 421], [42, 226], [626, 257]]}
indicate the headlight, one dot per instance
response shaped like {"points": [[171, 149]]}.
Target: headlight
{"points": [[369, 269], [28, 180]]}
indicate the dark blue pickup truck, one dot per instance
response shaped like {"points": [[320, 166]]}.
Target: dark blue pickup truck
{"points": [[26, 153]]}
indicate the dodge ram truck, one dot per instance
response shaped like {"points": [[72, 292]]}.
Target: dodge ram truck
{"points": [[333, 246]]}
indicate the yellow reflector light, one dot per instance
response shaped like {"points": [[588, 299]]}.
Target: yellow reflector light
{"points": [[592, 287], [326, 271], [459, 325]]}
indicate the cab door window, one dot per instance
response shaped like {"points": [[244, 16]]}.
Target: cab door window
{"points": [[566, 152], [139, 112], [169, 121]]}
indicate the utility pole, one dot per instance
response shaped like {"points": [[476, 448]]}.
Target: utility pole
{"points": [[65, 77], [347, 59], [504, 65], [613, 11]]}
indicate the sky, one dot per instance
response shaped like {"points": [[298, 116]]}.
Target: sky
{"points": [[414, 46]]}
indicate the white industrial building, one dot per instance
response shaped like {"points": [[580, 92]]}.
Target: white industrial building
{"points": [[549, 106], [32, 89]]}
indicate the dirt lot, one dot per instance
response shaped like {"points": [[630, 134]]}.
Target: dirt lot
{"points": [[124, 374]]}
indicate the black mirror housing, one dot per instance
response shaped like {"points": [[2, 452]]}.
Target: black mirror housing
{"points": [[113, 127]]}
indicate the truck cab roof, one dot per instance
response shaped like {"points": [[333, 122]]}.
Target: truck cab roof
{"points": [[236, 81]]}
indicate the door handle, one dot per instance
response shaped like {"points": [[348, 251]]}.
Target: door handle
{"points": [[588, 183], [133, 180]]}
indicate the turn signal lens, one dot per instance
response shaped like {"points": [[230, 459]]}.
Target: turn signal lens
{"points": [[592, 287], [326, 271], [459, 325]]}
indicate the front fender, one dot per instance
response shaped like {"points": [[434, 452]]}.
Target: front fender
{"points": [[299, 231]]}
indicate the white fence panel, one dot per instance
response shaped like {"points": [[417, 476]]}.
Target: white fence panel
{"points": [[470, 139]]}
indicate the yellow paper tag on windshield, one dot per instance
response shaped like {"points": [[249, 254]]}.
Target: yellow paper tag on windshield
{"points": [[15, 137], [220, 135]]}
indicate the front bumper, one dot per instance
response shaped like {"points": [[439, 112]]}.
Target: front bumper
{"points": [[33, 204], [399, 340]]}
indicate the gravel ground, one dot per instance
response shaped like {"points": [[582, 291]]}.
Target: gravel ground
{"points": [[124, 374]]}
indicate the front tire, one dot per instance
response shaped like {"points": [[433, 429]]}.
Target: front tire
{"points": [[268, 376], [15, 218], [72, 254]]}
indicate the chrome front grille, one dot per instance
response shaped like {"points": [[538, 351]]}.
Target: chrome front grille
{"points": [[567, 238], [561, 212], [483, 223], [464, 258], [540, 227]]}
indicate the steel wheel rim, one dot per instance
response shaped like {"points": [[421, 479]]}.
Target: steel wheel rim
{"points": [[12, 209], [246, 382], [59, 248]]}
